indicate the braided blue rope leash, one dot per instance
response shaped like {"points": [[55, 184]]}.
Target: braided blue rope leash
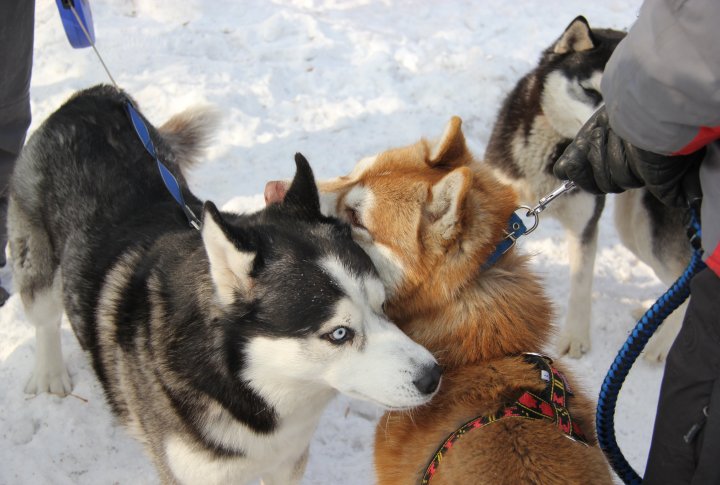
{"points": [[650, 321]]}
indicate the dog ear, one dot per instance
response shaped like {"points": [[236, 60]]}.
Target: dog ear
{"points": [[448, 197], [451, 150], [576, 38], [302, 195], [275, 191], [230, 265]]}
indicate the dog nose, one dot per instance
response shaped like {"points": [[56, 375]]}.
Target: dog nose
{"points": [[428, 383]]}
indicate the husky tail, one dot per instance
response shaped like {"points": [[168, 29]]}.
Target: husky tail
{"points": [[189, 133]]}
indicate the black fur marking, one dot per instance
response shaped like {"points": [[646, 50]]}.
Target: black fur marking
{"points": [[666, 223], [133, 309], [590, 230], [520, 108], [186, 406]]}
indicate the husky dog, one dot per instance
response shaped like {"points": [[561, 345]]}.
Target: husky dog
{"points": [[217, 348], [430, 217], [536, 123]]}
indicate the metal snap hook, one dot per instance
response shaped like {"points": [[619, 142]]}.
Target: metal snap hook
{"points": [[530, 212]]}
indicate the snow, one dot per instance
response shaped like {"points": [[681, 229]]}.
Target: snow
{"points": [[337, 81]]}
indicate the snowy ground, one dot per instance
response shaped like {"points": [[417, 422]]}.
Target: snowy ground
{"points": [[336, 80]]}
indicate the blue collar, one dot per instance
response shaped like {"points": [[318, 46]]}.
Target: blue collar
{"points": [[515, 229]]}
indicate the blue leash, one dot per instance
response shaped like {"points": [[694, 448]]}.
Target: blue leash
{"points": [[168, 178], [77, 19], [648, 324]]}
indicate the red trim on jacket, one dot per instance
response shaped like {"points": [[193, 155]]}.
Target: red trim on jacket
{"points": [[713, 261], [705, 135]]}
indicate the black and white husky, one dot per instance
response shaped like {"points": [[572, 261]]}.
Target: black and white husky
{"points": [[217, 348], [537, 121]]}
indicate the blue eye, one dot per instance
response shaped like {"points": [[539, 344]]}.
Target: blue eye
{"points": [[340, 335]]}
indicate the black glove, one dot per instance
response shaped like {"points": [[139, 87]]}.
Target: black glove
{"points": [[601, 162]]}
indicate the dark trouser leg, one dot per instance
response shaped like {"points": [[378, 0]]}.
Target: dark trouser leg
{"points": [[690, 384], [708, 468], [7, 162], [17, 21]]}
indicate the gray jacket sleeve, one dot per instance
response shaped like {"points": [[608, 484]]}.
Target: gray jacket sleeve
{"points": [[663, 81]]}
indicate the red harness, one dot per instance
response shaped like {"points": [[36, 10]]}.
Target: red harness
{"points": [[550, 405]]}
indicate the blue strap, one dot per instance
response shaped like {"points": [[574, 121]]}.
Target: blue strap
{"points": [[516, 229], [168, 178]]}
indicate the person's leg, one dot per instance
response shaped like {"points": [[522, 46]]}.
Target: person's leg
{"points": [[17, 22], [691, 374], [708, 467]]}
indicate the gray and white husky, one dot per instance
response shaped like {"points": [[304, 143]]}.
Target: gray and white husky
{"points": [[537, 121], [217, 348]]}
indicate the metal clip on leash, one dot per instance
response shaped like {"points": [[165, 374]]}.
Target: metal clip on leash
{"points": [[77, 19], [567, 186], [516, 227]]}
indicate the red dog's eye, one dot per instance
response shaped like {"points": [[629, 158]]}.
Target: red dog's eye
{"points": [[353, 217]]}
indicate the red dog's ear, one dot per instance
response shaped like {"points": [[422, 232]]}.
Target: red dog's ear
{"points": [[450, 150], [448, 199], [275, 191]]}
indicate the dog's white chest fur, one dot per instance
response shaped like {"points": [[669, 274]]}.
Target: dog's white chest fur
{"points": [[283, 451]]}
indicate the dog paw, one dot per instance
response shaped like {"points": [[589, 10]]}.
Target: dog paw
{"points": [[573, 346], [57, 382]]}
